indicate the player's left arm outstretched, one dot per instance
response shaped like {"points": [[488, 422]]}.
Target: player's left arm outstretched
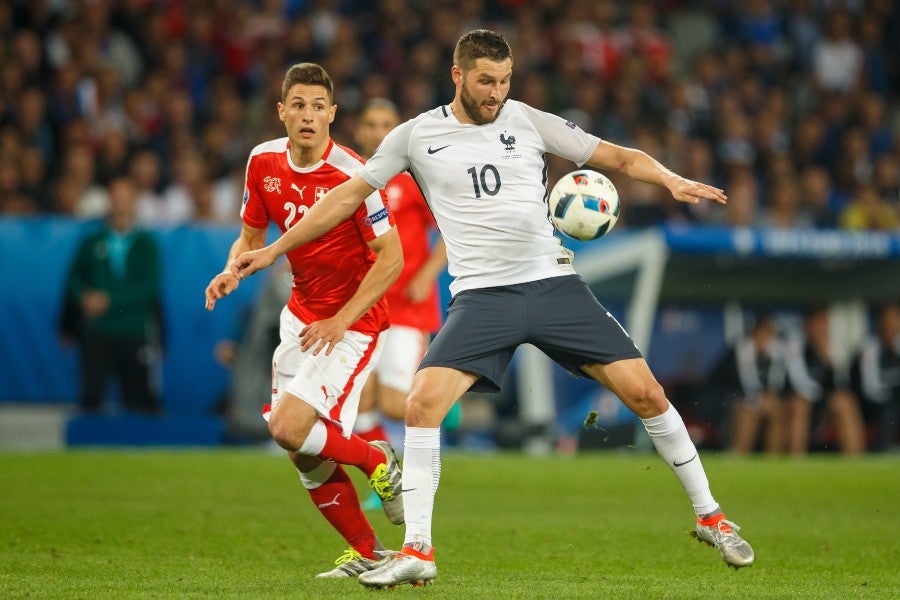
{"points": [[641, 166], [250, 238], [325, 333], [322, 217]]}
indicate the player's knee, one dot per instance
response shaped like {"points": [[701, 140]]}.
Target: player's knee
{"points": [[421, 409], [649, 400], [287, 433]]}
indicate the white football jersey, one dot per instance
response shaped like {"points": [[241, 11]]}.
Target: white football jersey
{"points": [[487, 187]]}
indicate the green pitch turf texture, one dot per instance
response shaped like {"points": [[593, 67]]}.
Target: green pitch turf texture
{"points": [[237, 524]]}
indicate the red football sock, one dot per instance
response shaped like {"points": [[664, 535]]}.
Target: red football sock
{"points": [[336, 499], [350, 451], [374, 434]]}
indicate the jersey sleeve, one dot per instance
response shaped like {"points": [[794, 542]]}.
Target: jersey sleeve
{"points": [[372, 218], [391, 157], [253, 210], [561, 137]]}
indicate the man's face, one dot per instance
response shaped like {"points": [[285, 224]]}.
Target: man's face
{"points": [[373, 125], [483, 89], [122, 205], [307, 112]]}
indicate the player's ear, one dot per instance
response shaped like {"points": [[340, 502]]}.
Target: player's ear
{"points": [[456, 74], [280, 108], [333, 112]]}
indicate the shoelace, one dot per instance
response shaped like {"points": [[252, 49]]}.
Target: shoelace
{"points": [[349, 555], [727, 532]]}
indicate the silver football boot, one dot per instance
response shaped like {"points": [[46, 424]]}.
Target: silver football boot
{"points": [[386, 481], [351, 564], [723, 534], [410, 565]]}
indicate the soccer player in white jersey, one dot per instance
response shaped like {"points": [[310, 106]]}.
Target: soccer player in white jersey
{"points": [[331, 327], [480, 164]]}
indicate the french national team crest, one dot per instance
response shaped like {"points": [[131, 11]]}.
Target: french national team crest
{"points": [[509, 145]]}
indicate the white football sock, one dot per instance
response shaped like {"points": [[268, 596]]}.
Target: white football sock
{"points": [[421, 474], [670, 436]]}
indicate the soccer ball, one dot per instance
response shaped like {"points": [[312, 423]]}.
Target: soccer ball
{"points": [[584, 205]]}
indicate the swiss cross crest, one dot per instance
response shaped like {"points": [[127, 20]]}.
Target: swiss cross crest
{"points": [[320, 192], [272, 184]]}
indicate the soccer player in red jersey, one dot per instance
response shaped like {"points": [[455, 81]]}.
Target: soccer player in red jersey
{"points": [[413, 300], [332, 325]]}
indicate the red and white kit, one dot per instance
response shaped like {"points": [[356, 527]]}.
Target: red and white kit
{"points": [[326, 274]]}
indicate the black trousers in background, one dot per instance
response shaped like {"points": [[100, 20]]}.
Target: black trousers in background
{"points": [[128, 359]]}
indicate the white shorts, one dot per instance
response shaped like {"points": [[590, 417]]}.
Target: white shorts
{"points": [[330, 383], [404, 348]]}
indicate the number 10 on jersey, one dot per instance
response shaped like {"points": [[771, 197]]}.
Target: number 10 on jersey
{"points": [[486, 180]]}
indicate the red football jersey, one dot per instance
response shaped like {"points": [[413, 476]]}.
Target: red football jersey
{"points": [[328, 270], [415, 224]]}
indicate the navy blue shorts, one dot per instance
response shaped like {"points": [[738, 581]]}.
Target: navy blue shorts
{"points": [[559, 315]]}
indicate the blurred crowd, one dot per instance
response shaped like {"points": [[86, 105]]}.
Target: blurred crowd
{"points": [[791, 106], [788, 390]]}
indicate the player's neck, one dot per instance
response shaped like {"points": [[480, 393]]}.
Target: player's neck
{"points": [[302, 156], [460, 113]]}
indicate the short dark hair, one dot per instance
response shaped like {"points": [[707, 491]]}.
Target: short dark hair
{"points": [[480, 43], [307, 74]]}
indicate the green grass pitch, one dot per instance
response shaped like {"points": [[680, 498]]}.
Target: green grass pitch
{"points": [[237, 524]]}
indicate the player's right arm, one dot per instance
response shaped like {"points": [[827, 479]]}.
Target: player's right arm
{"points": [[337, 205], [250, 238]]}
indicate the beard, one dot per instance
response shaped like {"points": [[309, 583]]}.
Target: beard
{"points": [[472, 106]]}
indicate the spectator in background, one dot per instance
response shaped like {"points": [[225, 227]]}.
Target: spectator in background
{"points": [[819, 391], [113, 155], [12, 202], [750, 376], [742, 209], [32, 120], [837, 58], [112, 306], [867, 211], [886, 178], [784, 209], [189, 183], [818, 197], [33, 179], [79, 170], [877, 377], [145, 169]]}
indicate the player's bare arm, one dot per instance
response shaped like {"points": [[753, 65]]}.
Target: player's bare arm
{"points": [[381, 275], [639, 165], [334, 207], [225, 282]]}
